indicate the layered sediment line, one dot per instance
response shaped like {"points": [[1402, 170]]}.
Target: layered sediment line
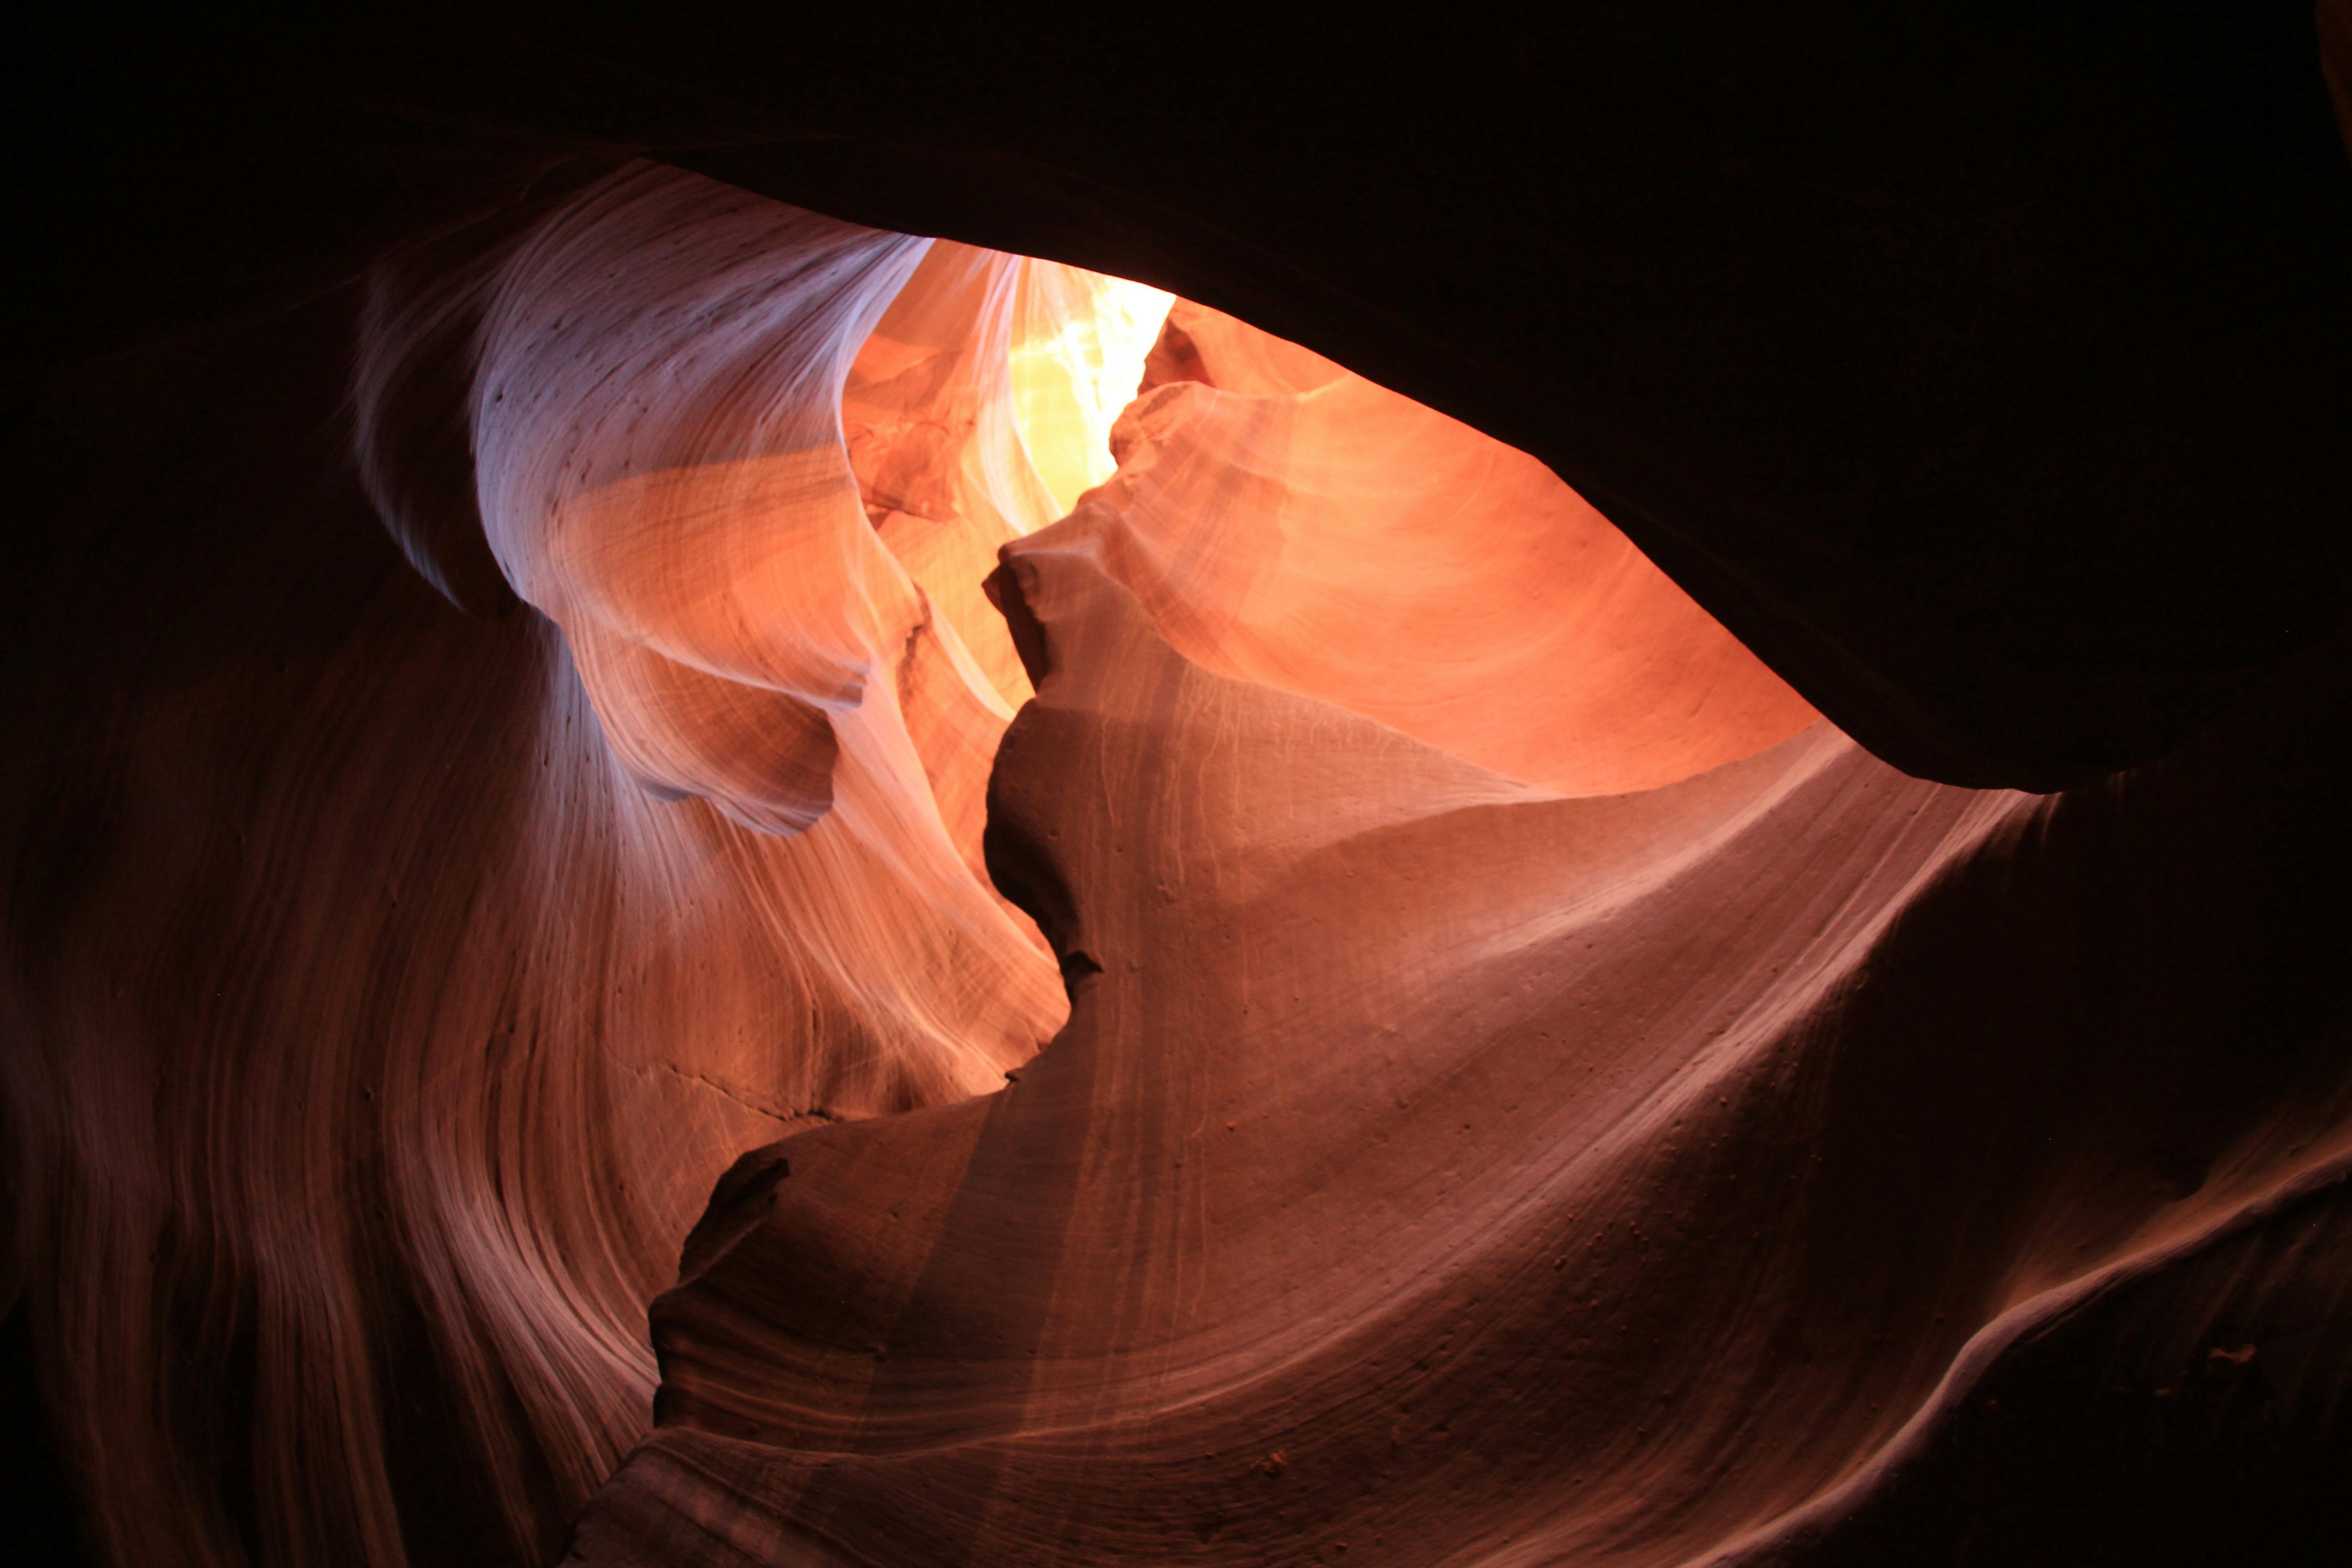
{"points": [[1445, 1171], [503, 736]]}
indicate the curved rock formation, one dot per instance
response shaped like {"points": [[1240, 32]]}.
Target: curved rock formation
{"points": [[493, 941], [1286, 522], [1922, 344], [1438, 1170], [1416, 1043]]}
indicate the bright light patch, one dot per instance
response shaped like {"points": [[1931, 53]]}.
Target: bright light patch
{"points": [[1079, 340]]}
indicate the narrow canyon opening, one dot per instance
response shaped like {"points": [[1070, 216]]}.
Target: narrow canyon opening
{"points": [[757, 466], [690, 882]]}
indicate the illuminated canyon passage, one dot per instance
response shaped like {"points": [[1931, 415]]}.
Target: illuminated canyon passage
{"points": [[694, 883]]}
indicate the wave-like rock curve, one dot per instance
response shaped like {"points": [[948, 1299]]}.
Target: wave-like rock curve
{"points": [[1530, 1091], [1435, 1170]]}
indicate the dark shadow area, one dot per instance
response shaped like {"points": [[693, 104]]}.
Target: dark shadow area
{"points": [[40, 1510]]}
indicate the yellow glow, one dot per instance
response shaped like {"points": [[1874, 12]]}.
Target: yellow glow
{"points": [[1079, 340]]}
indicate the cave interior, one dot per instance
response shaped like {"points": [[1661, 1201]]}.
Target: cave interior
{"points": [[889, 787]]}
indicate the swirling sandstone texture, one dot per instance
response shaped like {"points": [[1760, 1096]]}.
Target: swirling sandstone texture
{"points": [[1436, 1169], [405, 980], [688, 882]]}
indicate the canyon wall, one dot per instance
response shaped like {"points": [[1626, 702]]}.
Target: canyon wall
{"points": [[690, 881]]}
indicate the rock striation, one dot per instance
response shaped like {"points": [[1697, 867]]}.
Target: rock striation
{"points": [[1438, 1169], [391, 984], [682, 881]]}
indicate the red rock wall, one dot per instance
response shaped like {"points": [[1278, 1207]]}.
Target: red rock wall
{"points": [[1438, 1170], [1530, 1091], [393, 985]]}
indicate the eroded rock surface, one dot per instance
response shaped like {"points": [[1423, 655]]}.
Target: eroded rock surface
{"points": [[1452, 1171], [503, 710]]}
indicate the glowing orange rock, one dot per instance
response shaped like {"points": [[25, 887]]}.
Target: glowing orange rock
{"points": [[1528, 1092], [1287, 522], [1438, 1164]]}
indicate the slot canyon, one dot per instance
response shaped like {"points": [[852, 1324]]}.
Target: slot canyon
{"points": [[879, 789]]}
